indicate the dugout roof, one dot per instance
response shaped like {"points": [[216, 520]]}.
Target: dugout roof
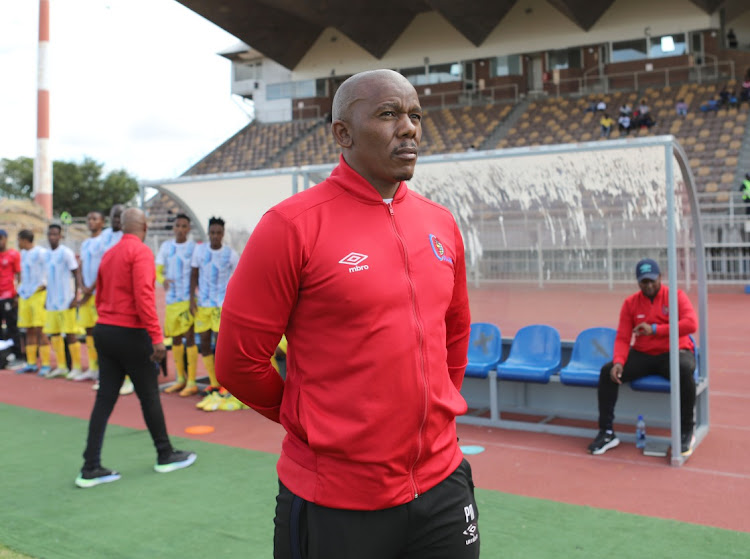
{"points": [[284, 30]]}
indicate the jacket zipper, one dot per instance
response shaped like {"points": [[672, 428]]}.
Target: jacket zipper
{"points": [[421, 355]]}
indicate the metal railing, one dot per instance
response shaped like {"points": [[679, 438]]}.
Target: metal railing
{"points": [[657, 77], [485, 96]]}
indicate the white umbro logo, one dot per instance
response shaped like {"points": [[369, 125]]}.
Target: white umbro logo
{"points": [[353, 260]]}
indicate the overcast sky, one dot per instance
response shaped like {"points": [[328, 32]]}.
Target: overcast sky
{"points": [[136, 84]]}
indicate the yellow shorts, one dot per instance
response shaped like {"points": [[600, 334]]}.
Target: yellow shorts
{"points": [[207, 318], [178, 319], [31, 312], [61, 322], [87, 315]]}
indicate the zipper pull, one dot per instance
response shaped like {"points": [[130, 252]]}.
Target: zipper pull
{"points": [[416, 495], [390, 207]]}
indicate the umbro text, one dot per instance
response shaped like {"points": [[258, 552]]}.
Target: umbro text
{"points": [[358, 268]]}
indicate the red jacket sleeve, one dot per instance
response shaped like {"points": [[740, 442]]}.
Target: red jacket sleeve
{"points": [[624, 333], [259, 300], [144, 276], [458, 317]]}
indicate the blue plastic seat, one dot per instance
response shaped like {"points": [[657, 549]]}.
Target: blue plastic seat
{"points": [[534, 355], [485, 349], [592, 349], [657, 383]]}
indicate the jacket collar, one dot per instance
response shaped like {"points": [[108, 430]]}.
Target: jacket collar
{"points": [[356, 185]]}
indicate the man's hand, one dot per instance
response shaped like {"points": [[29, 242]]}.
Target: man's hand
{"points": [[643, 329], [167, 283], [87, 291], [160, 352], [74, 303], [616, 373]]}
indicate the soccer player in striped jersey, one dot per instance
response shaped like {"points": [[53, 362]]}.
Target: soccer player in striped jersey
{"points": [[91, 254], [212, 266], [112, 234], [61, 303], [173, 269], [31, 298]]}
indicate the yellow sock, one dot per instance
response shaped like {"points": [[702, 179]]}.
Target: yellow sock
{"points": [[31, 353], [75, 355], [192, 359], [58, 344], [44, 354], [92, 354], [208, 362], [178, 352]]}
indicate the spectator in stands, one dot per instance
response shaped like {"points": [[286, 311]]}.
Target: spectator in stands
{"points": [[745, 189], [625, 109], [745, 91], [731, 39], [712, 105], [724, 97], [643, 116], [623, 123], [601, 106], [129, 339], [681, 107], [643, 108], [10, 271], [363, 395], [606, 123], [644, 318]]}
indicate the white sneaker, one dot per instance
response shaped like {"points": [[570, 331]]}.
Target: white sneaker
{"points": [[57, 372], [127, 387], [91, 374], [73, 374]]}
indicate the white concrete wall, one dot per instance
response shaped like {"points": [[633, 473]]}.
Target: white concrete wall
{"points": [[430, 35], [741, 26]]}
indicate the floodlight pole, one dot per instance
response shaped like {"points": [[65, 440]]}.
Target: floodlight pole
{"points": [[42, 161]]}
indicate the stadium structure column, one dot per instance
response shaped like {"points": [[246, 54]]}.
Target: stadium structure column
{"points": [[42, 162]]}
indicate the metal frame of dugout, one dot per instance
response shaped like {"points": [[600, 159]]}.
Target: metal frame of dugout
{"points": [[554, 400]]}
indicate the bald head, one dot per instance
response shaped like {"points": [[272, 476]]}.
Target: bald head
{"points": [[354, 88], [134, 222]]}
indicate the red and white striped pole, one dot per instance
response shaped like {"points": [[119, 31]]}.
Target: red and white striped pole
{"points": [[42, 162]]}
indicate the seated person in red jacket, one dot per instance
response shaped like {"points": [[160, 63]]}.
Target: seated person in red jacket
{"points": [[642, 349]]}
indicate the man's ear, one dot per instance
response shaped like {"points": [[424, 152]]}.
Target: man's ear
{"points": [[341, 133]]}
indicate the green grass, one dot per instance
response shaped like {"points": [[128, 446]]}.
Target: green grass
{"points": [[223, 506]]}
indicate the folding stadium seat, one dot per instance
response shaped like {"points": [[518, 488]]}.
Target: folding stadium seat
{"points": [[656, 383], [711, 187], [534, 355], [592, 349], [485, 349]]}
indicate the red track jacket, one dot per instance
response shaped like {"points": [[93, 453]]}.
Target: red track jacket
{"points": [[372, 298], [638, 308]]}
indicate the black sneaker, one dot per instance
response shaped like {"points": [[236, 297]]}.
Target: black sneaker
{"points": [[97, 476], [687, 443], [603, 442], [177, 460]]}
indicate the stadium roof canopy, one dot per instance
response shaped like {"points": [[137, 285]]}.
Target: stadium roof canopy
{"points": [[284, 30]]}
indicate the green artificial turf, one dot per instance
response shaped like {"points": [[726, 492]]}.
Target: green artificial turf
{"points": [[223, 506]]}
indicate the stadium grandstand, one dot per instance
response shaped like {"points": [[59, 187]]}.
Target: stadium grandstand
{"points": [[494, 75]]}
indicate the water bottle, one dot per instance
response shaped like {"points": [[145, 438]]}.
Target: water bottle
{"points": [[640, 432]]}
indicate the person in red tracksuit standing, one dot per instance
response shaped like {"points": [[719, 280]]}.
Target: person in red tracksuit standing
{"points": [[368, 281], [644, 319]]}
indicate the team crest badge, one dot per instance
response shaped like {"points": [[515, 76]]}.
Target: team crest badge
{"points": [[439, 250]]}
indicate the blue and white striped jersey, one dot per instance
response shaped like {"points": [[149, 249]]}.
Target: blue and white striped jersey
{"points": [[92, 250], [176, 259], [60, 285], [215, 267], [33, 271], [109, 238]]}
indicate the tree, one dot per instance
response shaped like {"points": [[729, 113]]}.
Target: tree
{"points": [[17, 177], [78, 187]]}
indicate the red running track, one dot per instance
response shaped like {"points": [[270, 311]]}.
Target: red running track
{"points": [[712, 488]]}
